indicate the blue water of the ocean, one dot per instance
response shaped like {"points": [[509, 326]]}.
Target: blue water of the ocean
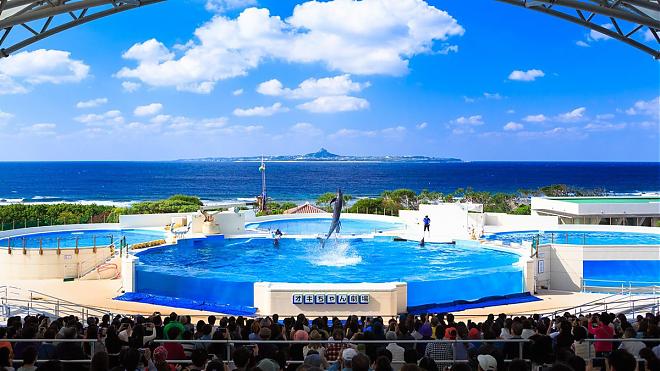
{"points": [[130, 181]]}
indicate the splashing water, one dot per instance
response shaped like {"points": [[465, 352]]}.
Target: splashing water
{"points": [[336, 253]]}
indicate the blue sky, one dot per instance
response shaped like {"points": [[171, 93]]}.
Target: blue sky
{"points": [[200, 78]]}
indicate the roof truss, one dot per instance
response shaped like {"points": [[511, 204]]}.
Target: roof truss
{"points": [[629, 18], [24, 22]]}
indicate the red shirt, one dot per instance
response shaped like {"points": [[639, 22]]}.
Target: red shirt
{"points": [[174, 351], [603, 331]]}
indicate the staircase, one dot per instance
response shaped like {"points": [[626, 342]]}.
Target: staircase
{"points": [[15, 301]]}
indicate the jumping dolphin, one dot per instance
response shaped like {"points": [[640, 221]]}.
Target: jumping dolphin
{"points": [[336, 212]]}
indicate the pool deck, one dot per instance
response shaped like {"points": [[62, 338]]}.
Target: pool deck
{"points": [[100, 293]]}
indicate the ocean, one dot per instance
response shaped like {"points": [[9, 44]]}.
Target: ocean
{"points": [[123, 182]]}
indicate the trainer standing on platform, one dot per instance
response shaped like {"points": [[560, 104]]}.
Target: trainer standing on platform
{"points": [[427, 224]]}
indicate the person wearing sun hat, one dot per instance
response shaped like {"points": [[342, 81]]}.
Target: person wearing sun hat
{"points": [[487, 362]]}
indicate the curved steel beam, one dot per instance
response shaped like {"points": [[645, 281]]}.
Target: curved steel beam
{"points": [[546, 7], [34, 11]]}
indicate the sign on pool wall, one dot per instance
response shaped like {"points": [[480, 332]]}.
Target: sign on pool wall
{"points": [[329, 299]]}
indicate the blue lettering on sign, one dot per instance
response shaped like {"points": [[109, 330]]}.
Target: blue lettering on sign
{"points": [[329, 299]]}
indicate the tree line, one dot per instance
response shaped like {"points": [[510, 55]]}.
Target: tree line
{"points": [[388, 202]]}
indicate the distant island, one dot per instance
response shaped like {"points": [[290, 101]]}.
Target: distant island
{"points": [[324, 155]]}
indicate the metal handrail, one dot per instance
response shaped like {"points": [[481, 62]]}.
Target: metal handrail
{"points": [[230, 342]]}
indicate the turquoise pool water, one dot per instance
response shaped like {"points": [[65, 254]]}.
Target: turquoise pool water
{"points": [[85, 238], [321, 225], [579, 238], [435, 273]]}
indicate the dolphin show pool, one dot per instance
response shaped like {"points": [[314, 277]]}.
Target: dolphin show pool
{"points": [[435, 273]]}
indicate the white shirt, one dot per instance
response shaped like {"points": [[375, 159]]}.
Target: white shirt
{"points": [[397, 355], [632, 347]]}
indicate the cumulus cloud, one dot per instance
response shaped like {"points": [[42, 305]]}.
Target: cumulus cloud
{"points": [[130, 86], [305, 128], [649, 108], [260, 110], [46, 129], [604, 126], [470, 120], [597, 36], [572, 116], [21, 71], [92, 103], [392, 132], [237, 92], [583, 44], [357, 37], [109, 118], [513, 126], [535, 118], [331, 104], [5, 117], [313, 88], [422, 126], [148, 110], [529, 75], [494, 96], [221, 6]]}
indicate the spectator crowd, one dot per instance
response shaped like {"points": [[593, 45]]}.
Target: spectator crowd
{"points": [[405, 343]]}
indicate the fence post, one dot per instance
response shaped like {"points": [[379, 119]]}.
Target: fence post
{"points": [[228, 351], [37, 222], [520, 350], [25, 224]]}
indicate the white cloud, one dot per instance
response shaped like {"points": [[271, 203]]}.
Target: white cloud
{"points": [[92, 103], [39, 129], [395, 132], [221, 6], [468, 99], [471, 120], [650, 107], [260, 110], [306, 129], [5, 117], [529, 75], [112, 117], [648, 35], [583, 44], [313, 88], [150, 52], [510, 111], [535, 118], [148, 110], [513, 126], [237, 92], [130, 86], [20, 71], [353, 133], [331, 104], [597, 36], [494, 96], [604, 127], [357, 37], [572, 116], [422, 126]]}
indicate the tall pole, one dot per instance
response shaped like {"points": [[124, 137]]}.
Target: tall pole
{"points": [[264, 197]]}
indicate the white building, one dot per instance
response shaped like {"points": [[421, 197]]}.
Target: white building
{"points": [[634, 211]]}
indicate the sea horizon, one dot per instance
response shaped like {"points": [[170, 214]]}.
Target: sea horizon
{"points": [[124, 182]]}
